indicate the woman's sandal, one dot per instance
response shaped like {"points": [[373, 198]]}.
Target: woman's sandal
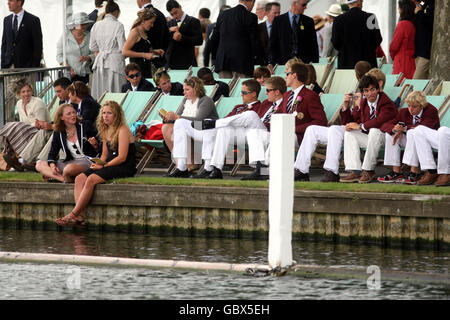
{"points": [[80, 223], [67, 221]]}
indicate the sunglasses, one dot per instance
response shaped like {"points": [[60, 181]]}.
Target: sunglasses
{"points": [[289, 73], [268, 90], [132, 76], [245, 92], [304, 5], [76, 149]]}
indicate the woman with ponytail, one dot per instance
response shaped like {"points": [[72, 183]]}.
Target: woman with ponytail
{"points": [[107, 41], [138, 47]]}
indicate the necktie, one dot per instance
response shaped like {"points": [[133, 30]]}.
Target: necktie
{"points": [[269, 114], [290, 102], [295, 36], [416, 120], [241, 109], [372, 112], [15, 24]]}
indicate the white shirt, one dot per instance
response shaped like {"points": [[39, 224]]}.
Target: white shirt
{"points": [[190, 109], [19, 18], [277, 103], [73, 150]]}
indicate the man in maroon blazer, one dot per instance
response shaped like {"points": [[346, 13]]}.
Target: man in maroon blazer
{"points": [[363, 130], [398, 134], [303, 103]]}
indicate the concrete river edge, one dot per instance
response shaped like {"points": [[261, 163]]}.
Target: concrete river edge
{"points": [[388, 219]]}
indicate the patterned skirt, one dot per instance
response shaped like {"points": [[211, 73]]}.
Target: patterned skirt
{"points": [[17, 135]]}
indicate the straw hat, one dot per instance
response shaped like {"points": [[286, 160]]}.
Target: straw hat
{"points": [[77, 19], [334, 10]]}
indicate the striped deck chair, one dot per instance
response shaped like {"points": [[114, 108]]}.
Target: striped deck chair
{"points": [[118, 97], [443, 89], [169, 103], [342, 81], [387, 68], [135, 103], [237, 88], [419, 84]]}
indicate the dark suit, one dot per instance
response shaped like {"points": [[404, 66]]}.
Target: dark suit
{"points": [[281, 40], [236, 39], [309, 111], [208, 50], [264, 44], [158, 35], [354, 40], [23, 50], [144, 85], [176, 90], [89, 112], [181, 54], [222, 90]]}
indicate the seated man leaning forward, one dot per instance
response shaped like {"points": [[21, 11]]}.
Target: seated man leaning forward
{"points": [[398, 132], [73, 138], [184, 128], [363, 130], [135, 82], [251, 125]]}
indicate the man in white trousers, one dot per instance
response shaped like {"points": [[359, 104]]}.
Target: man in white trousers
{"points": [[185, 129], [251, 126], [363, 130], [398, 134], [427, 139]]}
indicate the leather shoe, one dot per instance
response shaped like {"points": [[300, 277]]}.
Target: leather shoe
{"points": [[367, 176], [443, 180], [206, 124], [177, 173], [30, 166], [255, 175], [202, 175], [352, 177], [330, 176], [427, 179], [215, 174], [13, 162], [300, 176]]}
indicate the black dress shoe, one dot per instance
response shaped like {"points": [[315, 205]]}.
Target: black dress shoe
{"points": [[330, 176], [255, 175], [206, 124], [215, 174], [177, 173], [300, 176], [13, 162], [202, 175]]}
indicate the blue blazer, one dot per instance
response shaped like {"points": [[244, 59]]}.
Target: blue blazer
{"points": [[24, 49]]}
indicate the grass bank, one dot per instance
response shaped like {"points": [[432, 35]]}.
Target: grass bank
{"points": [[318, 186]]}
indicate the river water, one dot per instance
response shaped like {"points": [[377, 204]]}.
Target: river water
{"points": [[51, 281]]}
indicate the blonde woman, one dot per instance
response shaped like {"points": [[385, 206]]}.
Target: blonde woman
{"points": [[138, 47], [73, 138], [118, 159]]}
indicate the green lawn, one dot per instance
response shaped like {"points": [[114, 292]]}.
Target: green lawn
{"points": [[319, 186]]}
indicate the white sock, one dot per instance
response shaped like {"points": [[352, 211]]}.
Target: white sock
{"points": [[21, 160], [208, 166], [181, 164]]}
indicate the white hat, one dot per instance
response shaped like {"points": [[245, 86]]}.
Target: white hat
{"points": [[334, 10], [77, 19]]}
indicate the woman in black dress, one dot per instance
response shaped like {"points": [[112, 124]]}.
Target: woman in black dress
{"points": [[118, 160], [138, 47]]}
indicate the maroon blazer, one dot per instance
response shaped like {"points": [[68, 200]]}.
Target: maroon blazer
{"points": [[309, 111], [234, 112], [429, 118], [386, 111]]}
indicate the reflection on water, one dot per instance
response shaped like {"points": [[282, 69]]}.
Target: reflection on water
{"points": [[40, 281]]}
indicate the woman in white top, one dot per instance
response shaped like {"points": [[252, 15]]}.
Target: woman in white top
{"points": [[33, 115], [107, 41], [78, 55], [195, 106]]}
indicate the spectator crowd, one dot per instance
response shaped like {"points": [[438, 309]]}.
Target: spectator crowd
{"points": [[88, 143]]}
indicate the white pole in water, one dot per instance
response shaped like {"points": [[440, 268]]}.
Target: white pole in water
{"points": [[281, 189]]}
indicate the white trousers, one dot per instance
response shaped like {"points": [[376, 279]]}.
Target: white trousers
{"points": [[36, 144], [203, 140], [392, 153], [355, 140], [332, 136], [245, 126], [410, 155], [426, 140]]}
